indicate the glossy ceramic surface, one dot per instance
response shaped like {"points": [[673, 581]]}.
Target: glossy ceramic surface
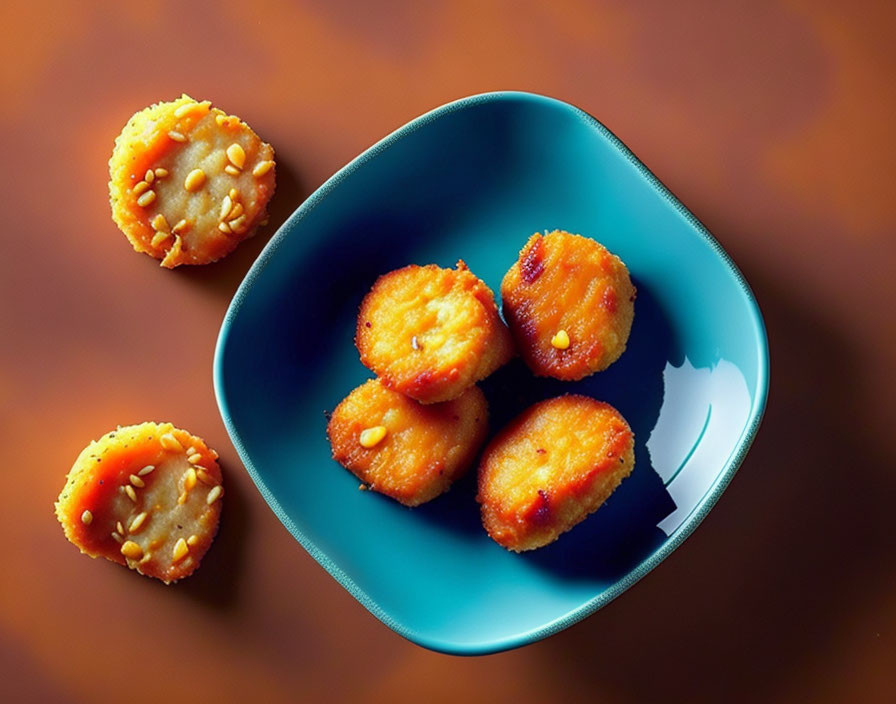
{"points": [[473, 179]]}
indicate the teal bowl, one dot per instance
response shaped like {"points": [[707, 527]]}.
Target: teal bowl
{"points": [[474, 179]]}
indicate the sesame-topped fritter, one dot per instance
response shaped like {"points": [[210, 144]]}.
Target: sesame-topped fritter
{"points": [[569, 304], [551, 467], [147, 496], [431, 333], [404, 449], [188, 182]]}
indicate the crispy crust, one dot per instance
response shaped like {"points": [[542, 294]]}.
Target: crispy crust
{"points": [[431, 333], [426, 448], [551, 467], [145, 144], [568, 282], [175, 506]]}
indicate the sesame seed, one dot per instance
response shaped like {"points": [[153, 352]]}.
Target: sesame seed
{"points": [[236, 155], [149, 177], [194, 180], [146, 470], [560, 341], [234, 195], [161, 173], [262, 167], [138, 522], [214, 494], [159, 238], [160, 223], [414, 344], [371, 437], [232, 170], [177, 136], [221, 120], [204, 477], [131, 550], [132, 495], [180, 550], [236, 212], [224, 227], [137, 481], [171, 443], [189, 479], [139, 187], [119, 527], [184, 109], [226, 206], [237, 224], [192, 540], [195, 458], [86, 517], [176, 248], [146, 199], [181, 227], [116, 537]]}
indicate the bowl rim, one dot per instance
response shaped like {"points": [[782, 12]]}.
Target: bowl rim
{"points": [[687, 527]]}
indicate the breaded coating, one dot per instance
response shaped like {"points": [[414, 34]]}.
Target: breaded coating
{"points": [[188, 182], [147, 496], [431, 333], [402, 448], [569, 304], [551, 467]]}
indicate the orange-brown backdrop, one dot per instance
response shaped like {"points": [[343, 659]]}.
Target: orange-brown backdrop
{"points": [[773, 121]]}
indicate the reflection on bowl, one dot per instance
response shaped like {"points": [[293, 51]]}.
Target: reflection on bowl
{"points": [[473, 180], [703, 416]]}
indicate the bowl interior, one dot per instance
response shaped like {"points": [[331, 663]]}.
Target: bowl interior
{"points": [[473, 180]]}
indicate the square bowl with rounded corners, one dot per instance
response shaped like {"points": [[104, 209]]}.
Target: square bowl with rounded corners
{"points": [[474, 179]]}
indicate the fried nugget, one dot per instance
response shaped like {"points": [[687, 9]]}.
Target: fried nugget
{"points": [[431, 333], [188, 182], [146, 496], [569, 304], [551, 467], [404, 449]]}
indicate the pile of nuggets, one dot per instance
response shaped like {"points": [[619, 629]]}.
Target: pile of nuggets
{"points": [[430, 334]]}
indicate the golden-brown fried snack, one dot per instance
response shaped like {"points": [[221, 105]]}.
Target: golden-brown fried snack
{"points": [[402, 448], [551, 467], [431, 333], [188, 182], [569, 304], [147, 496]]}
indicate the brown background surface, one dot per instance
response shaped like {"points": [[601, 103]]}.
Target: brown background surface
{"points": [[772, 121]]}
